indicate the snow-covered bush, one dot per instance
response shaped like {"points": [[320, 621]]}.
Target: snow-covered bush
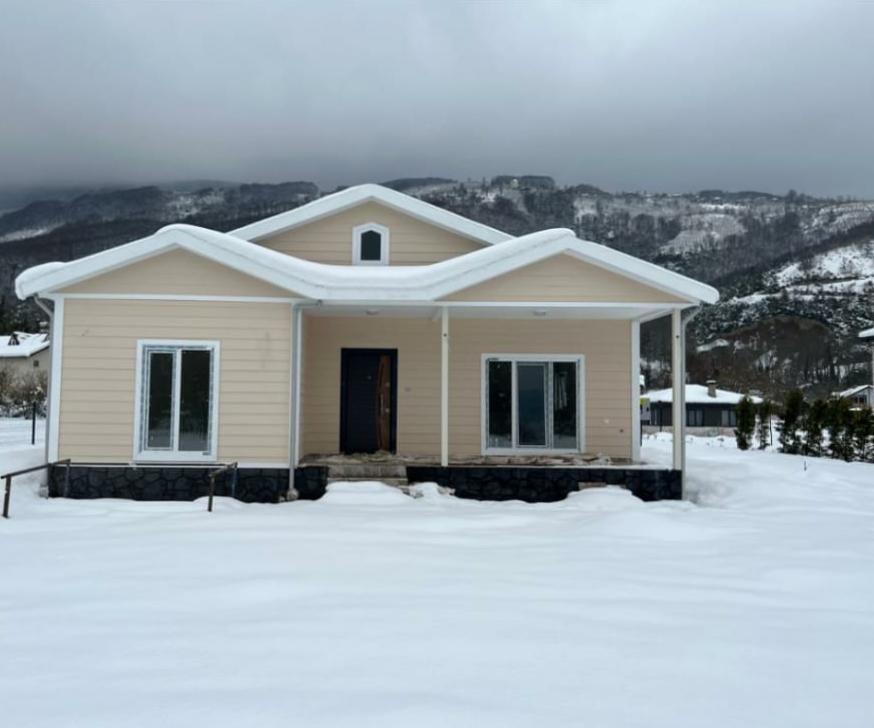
{"points": [[19, 392]]}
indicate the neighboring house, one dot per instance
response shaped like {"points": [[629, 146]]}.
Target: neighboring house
{"points": [[23, 354], [860, 396], [707, 408], [869, 335], [364, 321]]}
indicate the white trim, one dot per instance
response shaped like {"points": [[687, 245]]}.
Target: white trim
{"points": [[559, 304], [635, 391], [354, 196], [176, 297], [578, 359], [444, 387], [173, 455], [384, 243], [56, 367]]}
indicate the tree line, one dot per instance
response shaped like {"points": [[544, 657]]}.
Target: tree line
{"points": [[821, 428]]}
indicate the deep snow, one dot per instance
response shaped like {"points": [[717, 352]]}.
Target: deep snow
{"points": [[753, 607]]}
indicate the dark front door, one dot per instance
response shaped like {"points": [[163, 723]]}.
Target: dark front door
{"points": [[368, 400]]}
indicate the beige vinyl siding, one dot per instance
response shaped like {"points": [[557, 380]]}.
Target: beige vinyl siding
{"points": [[563, 278], [99, 369], [329, 240], [606, 346], [418, 343], [178, 272]]}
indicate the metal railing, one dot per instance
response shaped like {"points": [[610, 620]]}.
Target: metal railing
{"points": [[212, 477], [9, 476]]}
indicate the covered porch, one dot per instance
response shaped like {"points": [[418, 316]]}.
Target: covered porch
{"points": [[454, 385]]}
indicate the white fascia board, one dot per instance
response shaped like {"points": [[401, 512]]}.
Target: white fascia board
{"points": [[352, 196], [866, 334]]}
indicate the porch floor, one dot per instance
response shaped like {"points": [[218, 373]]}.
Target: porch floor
{"points": [[383, 458]]}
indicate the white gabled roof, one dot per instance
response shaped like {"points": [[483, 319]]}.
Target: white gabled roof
{"points": [[353, 196], [852, 391], [27, 344], [348, 283], [866, 334], [697, 394]]}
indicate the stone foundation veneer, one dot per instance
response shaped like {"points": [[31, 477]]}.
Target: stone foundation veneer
{"points": [[251, 485], [270, 485], [547, 484]]}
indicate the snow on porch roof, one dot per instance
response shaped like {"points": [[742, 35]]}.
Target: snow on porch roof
{"points": [[697, 394], [353, 196], [346, 283]]}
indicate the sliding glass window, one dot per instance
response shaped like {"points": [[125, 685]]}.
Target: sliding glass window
{"points": [[532, 403]]}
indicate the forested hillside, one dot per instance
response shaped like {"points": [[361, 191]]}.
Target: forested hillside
{"points": [[796, 273]]}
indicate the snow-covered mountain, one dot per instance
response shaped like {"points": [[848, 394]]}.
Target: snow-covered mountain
{"points": [[795, 272]]}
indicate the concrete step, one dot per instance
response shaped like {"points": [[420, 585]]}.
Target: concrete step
{"points": [[396, 482], [366, 471]]}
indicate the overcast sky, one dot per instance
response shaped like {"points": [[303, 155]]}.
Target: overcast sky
{"points": [[668, 96]]}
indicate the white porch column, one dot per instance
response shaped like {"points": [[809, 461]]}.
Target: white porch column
{"points": [[678, 374], [444, 387], [296, 366], [635, 391]]}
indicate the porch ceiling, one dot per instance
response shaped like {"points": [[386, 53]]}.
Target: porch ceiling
{"points": [[513, 310]]}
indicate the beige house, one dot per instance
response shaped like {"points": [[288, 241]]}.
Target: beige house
{"points": [[364, 321]]}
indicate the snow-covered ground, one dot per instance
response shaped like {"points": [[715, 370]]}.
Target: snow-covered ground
{"points": [[753, 606], [15, 432]]}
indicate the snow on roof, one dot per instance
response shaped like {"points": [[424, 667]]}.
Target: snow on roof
{"points": [[852, 391], [698, 394], [359, 194], [336, 283], [21, 344], [867, 333]]}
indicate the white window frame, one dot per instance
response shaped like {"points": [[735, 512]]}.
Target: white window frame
{"points": [[580, 361], [173, 455], [358, 231]]}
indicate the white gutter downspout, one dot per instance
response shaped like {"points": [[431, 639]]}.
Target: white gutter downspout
{"points": [[52, 364]]}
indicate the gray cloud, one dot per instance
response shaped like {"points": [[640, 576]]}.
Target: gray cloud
{"points": [[627, 95]]}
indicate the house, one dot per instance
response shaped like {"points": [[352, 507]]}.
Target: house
{"points": [[708, 409], [868, 334], [23, 354], [365, 321], [859, 396]]}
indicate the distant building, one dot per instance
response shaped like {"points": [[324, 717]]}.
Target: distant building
{"points": [[706, 407], [861, 396], [22, 353], [869, 335]]}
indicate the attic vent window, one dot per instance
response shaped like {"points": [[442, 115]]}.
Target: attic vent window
{"points": [[370, 244]]}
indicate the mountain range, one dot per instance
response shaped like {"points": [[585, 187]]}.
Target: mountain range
{"points": [[795, 272]]}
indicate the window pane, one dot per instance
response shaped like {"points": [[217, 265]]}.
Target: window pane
{"points": [[194, 400], [371, 246], [500, 411], [160, 419], [564, 405], [531, 384]]}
